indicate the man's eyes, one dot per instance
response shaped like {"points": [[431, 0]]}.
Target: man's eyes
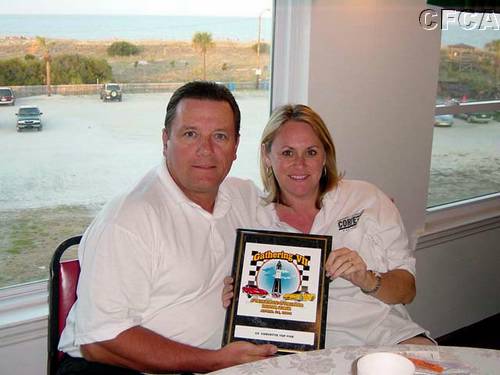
{"points": [[221, 136], [192, 134], [189, 134]]}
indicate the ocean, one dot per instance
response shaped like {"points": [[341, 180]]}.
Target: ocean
{"points": [[133, 27], [139, 27]]}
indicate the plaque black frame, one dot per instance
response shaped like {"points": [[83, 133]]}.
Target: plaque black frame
{"points": [[321, 242]]}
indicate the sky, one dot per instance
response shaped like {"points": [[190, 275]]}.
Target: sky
{"points": [[247, 8]]}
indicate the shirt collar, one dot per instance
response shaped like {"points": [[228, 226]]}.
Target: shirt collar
{"points": [[173, 192]]}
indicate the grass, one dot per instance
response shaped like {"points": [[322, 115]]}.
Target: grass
{"points": [[29, 237]]}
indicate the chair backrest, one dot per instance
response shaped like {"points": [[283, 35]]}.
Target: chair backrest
{"points": [[62, 295]]}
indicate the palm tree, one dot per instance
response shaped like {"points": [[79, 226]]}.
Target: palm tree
{"points": [[202, 41], [44, 46]]}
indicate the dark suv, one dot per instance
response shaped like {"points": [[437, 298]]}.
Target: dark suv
{"points": [[111, 91], [28, 117], [7, 96]]}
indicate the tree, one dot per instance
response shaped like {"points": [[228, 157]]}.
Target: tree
{"points": [[42, 45], [202, 41], [493, 48]]}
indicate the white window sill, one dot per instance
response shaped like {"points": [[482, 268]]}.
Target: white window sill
{"points": [[23, 313], [457, 220]]}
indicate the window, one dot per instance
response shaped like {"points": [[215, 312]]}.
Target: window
{"points": [[97, 139], [465, 152]]}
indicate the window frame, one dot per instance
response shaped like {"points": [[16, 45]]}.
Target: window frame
{"points": [[467, 216]]}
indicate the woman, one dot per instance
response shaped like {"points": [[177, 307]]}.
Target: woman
{"points": [[372, 267]]}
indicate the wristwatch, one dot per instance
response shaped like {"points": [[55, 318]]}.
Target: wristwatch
{"points": [[378, 281]]}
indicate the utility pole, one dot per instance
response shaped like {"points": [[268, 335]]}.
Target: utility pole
{"points": [[258, 70]]}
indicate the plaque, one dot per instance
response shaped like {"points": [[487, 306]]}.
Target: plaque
{"points": [[280, 290]]}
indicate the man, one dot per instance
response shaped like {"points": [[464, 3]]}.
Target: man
{"points": [[154, 259]]}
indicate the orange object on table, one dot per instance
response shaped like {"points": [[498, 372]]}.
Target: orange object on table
{"points": [[426, 365]]}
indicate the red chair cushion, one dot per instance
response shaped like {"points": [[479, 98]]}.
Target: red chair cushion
{"points": [[68, 273]]}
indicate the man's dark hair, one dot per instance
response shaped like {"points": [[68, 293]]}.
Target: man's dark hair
{"points": [[202, 90]]}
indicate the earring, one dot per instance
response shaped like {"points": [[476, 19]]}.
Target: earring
{"points": [[269, 171], [324, 171]]}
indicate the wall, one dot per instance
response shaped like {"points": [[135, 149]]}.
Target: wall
{"points": [[24, 358], [458, 282]]}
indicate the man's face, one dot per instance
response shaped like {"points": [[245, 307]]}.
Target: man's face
{"points": [[201, 148]]}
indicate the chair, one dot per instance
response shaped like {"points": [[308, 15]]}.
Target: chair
{"points": [[62, 295]]}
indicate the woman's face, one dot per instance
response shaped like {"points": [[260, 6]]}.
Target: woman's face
{"points": [[297, 157]]}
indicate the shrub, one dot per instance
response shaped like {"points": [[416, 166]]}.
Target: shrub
{"points": [[77, 69], [264, 47], [122, 49], [20, 72]]}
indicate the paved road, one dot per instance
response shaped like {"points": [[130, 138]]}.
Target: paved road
{"points": [[88, 150]]}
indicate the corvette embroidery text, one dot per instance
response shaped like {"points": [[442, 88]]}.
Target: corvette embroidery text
{"points": [[349, 222]]}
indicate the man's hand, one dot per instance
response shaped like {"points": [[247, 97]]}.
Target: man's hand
{"points": [[239, 352], [146, 351], [227, 291]]}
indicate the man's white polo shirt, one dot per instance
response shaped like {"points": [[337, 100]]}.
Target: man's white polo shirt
{"points": [[155, 259]]}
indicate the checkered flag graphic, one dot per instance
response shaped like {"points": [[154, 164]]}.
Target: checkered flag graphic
{"points": [[255, 266]]}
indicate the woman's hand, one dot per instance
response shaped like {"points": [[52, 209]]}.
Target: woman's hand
{"points": [[396, 286], [227, 291], [347, 264]]}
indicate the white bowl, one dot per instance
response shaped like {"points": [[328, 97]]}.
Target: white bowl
{"points": [[385, 364]]}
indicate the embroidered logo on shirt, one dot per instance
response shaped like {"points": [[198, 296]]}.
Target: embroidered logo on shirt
{"points": [[350, 221]]}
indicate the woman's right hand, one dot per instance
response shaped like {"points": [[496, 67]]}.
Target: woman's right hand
{"points": [[227, 291]]}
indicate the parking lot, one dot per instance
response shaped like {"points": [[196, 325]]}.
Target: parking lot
{"points": [[465, 161], [90, 150]]}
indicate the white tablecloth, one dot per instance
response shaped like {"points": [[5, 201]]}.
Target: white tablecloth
{"points": [[342, 361]]}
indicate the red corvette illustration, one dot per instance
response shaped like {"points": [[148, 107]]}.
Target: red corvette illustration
{"points": [[252, 290]]}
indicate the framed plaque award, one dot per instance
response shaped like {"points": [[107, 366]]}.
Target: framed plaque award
{"points": [[281, 290]]}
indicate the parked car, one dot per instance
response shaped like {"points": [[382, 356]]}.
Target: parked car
{"points": [[477, 117], [251, 290], [443, 120], [29, 117], [111, 91], [299, 296], [7, 96]]}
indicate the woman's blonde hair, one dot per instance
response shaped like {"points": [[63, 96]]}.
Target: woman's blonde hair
{"points": [[302, 113]]}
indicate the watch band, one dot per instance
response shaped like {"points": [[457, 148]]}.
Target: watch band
{"points": [[378, 282]]}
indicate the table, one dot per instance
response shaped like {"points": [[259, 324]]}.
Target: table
{"points": [[342, 361]]}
